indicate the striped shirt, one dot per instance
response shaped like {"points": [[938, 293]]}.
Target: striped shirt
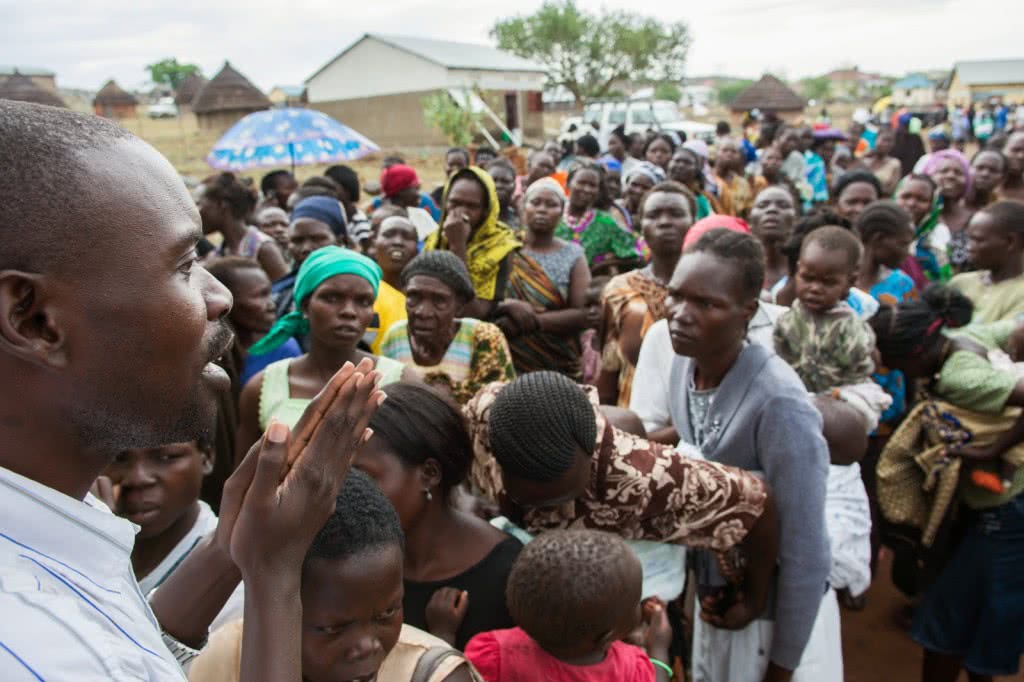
{"points": [[71, 606]]}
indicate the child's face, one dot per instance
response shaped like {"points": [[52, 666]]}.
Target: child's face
{"points": [[988, 246], [592, 304], [915, 197], [823, 277], [158, 485], [892, 249], [351, 614]]}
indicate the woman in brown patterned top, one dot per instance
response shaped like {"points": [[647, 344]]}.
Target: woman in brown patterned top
{"points": [[565, 466]]}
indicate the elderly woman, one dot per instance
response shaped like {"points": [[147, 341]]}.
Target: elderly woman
{"points": [[458, 355], [273, 222], [470, 229], [587, 222], [544, 312]]}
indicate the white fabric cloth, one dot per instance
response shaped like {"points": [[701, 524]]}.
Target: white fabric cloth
{"points": [[848, 519], [650, 396], [206, 523], [425, 225], [742, 655], [71, 606]]}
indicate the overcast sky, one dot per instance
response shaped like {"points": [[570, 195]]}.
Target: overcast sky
{"points": [[88, 41]]}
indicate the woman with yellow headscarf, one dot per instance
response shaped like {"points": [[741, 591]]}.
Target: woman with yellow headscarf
{"points": [[470, 229]]}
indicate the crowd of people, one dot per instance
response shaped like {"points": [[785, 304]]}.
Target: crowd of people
{"points": [[633, 413]]}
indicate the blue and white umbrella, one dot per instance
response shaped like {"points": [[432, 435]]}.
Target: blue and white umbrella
{"points": [[287, 136]]}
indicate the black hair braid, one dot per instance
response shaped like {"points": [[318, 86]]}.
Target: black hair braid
{"points": [[913, 327]]}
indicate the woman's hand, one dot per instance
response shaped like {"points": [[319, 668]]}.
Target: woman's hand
{"points": [[457, 229], [522, 314], [285, 489], [445, 612]]}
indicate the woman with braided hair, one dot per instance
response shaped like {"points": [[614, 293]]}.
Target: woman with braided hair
{"points": [[972, 616], [548, 455]]}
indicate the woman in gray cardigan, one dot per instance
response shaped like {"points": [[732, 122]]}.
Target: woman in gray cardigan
{"points": [[744, 406]]}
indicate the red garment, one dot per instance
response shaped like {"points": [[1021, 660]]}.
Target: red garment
{"points": [[714, 222], [396, 178], [913, 268], [511, 656]]}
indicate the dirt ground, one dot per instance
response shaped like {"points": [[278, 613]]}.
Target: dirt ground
{"points": [[875, 647]]}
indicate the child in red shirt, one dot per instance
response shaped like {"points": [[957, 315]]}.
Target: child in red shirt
{"points": [[575, 594]]}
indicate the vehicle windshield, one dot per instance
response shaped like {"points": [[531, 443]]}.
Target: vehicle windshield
{"points": [[643, 116], [666, 112]]}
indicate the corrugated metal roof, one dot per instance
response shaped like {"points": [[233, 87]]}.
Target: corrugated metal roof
{"points": [[448, 54], [459, 55], [913, 82], [990, 72], [9, 69]]}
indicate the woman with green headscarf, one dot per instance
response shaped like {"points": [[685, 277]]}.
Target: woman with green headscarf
{"points": [[470, 229], [334, 294]]}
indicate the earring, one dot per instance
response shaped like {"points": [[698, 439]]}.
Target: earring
{"points": [[427, 494]]}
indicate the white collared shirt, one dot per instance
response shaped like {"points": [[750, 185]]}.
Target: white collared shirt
{"points": [[71, 607]]}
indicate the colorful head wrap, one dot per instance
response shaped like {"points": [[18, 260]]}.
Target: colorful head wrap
{"points": [[394, 179], [713, 222], [490, 241], [545, 185], [647, 169], [936, 159], [325, 209], [611, 163], [320, 266]]}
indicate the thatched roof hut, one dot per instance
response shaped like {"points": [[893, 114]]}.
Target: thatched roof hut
{"points": [[114, 102], [21, 88], [769, 94], [188, 90], [227, 98]]}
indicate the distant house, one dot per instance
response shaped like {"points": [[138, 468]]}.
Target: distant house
{"points": [[22, 88], [769, 95], [226, 98], [187, 91], [44, 78], [853, 84], [113, 102], [982, 80], [377, 86], [288, 95], [915, 89]]}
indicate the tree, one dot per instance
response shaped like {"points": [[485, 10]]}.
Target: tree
{"points": [[169, 72], [818, 89], [587, 53], [728, 91], [457, 121], [669, 91]]}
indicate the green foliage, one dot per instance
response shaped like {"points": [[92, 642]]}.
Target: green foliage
{"points": [[669, 91], [455, 120], [818, 89], [728, 91], [169, 72], [586, 53]]}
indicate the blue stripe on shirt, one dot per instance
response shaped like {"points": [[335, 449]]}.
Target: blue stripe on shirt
{"points": [[57, 561], [90, 603], [24, 665]]}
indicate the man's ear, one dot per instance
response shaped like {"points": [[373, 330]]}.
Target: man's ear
{"points": [[29, 329]]}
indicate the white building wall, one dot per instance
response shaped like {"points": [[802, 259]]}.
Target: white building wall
{"points": [[495, 80], [372, 68]]}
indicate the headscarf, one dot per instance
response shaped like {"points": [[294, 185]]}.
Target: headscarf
{"points": [[648, 169], [936, 159], [545, 185], [394, 179], [713, 222], [489, 243], [321, 265], [325, 209], [611, 163], [445, 267]]}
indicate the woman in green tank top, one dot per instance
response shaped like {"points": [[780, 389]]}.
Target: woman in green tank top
{"points": [[334, 295]]}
